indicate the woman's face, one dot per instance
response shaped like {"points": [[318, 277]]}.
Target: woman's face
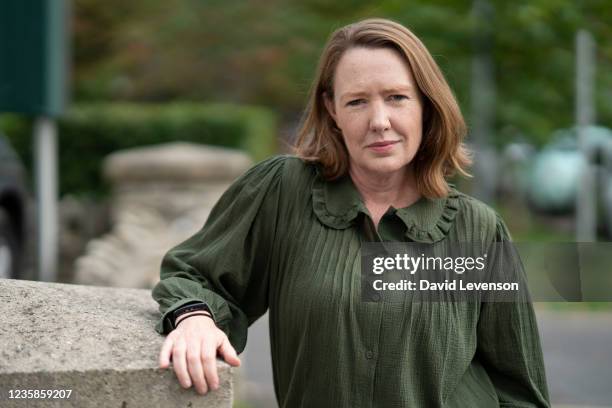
{"points": [[378, 108]]}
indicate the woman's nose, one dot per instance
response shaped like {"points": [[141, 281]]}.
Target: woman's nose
{"points": [[379, 119]]}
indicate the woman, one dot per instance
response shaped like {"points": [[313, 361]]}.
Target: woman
{"points": [[381, 134]]}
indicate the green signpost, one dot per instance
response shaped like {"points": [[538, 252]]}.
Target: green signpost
{"points": [[33, 56]]}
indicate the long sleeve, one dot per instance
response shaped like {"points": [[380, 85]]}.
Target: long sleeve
{"points": [[508, 345], [225, 264]]}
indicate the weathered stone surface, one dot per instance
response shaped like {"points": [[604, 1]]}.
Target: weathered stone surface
{"points": [[161, 196], [98, 342], [130, 255]]}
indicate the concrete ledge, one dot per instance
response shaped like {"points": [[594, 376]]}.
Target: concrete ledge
{"points": [[98, 342]]}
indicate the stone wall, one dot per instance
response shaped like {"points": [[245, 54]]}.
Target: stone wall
{"points": [[98, 342]]}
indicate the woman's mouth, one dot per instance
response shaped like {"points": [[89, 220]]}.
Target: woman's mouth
{"points": [[382, 147]]}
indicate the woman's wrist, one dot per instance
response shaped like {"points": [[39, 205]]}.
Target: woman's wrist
{"points": [[202, 313]]}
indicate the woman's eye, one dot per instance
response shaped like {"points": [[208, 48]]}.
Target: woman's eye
{"points": [[398, 98], [355, 102]]}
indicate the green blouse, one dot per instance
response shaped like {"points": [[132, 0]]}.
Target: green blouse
{"points": [[282, 239]]}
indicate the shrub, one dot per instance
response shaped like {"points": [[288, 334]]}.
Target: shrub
{"points": [[88, 133]]}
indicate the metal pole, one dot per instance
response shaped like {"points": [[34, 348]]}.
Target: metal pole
{"points": [[586, 199], [483, 102], [45, 148]]}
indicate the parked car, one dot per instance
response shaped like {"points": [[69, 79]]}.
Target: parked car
{"points": [[555, 175], [13, 214]]}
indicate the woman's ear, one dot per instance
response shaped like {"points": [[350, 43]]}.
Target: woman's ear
{"points": [[329, 105]]}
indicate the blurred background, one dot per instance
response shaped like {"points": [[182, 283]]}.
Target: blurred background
{"points": [[153, 90]]}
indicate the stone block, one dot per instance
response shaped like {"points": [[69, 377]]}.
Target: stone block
{"points": [[98, 342]]}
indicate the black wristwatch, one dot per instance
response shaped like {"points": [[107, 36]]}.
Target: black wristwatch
{"points": [[188, 308]]}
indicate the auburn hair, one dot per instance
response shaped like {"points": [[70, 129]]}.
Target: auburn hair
{"points": [[442, 152]]}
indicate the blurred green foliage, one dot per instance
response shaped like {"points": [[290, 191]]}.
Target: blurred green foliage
{"points": [[89, 132], [265, 52]]}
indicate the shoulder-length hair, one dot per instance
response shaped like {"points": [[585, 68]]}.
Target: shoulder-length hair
{"points": [[441, 153]]}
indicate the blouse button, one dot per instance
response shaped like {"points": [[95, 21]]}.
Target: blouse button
{"points": [[369, 354]]}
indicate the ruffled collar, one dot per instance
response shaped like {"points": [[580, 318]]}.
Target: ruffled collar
{"points": [[338, 203]]}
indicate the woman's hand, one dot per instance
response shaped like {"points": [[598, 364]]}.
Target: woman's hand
{"points": [[193, 347]]}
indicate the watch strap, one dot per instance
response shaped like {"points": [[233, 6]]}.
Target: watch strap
{"points": [[188, 308]]}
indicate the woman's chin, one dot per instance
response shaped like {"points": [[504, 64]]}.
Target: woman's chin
{"points": [[386, 166]]}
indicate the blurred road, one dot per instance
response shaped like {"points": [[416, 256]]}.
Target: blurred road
{"points": [[578, 357], [577, 352], [257, 388]]}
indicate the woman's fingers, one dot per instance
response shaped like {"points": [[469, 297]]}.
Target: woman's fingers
{"points": [[179, 362], [209, 362], [193, 352], [228, 353], [194, 367], [164, 354]]}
